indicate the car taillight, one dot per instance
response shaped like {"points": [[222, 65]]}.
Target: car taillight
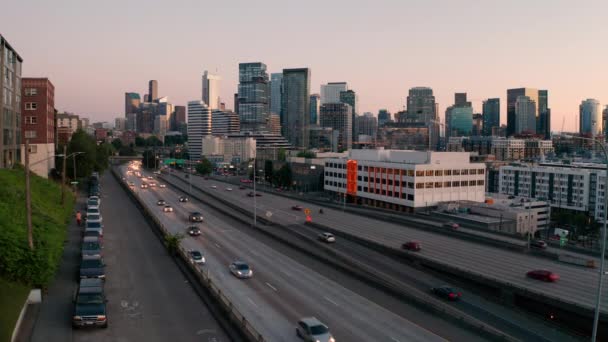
{"points": [[101, 318], [452, 295]]}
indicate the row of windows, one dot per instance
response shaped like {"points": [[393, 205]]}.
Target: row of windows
{"points": [[422, 185], [31, 120], [410, 173]]}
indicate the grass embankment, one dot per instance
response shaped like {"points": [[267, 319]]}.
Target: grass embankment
{"points": [[20, 268]]}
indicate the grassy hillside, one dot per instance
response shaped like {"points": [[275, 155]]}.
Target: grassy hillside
{"points": [[12, 297]]}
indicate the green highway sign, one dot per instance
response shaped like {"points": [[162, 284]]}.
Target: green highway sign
{"points": [[73, 183]]}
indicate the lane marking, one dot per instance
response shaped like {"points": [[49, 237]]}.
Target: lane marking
{"points": [[216, 245], [272, 287], [394, 339], [331, 301], [249, 299]]}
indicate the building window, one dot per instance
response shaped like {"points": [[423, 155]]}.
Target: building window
{"points": [[31, 120], [480, 171], [447, 184], [410, 185], [429, 185], [31, 106], [455, 184], [33, 149], [456, 172], [410, 173], [390, 194], [31, 91], [383, 192], [480, 182], [438, 172], [403, 195], [464, 172], [365, 179], [438, 184], [365, 189], [359, 167], [419, 173], [473, 171], [397, 183], [390, 182], [419, 185], [447, 172], [30, 134], [429, 172], [359, 178], [358, 187], [365, 168], [383, 181], [410, 197]]}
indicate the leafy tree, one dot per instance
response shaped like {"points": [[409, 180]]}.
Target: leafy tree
{"points": [[282, 154], [172, 140], [153, 141], [102, 155], [204, 167], [117, 143], [140, 142], [172, 242], [149, 159], [268, 170], [307, 154], [284, 176], [127, 151], [86, 162]]}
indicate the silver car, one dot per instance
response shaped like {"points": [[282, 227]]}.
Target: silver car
{"points": [[241, 270], [311, 329], [94, 218]]}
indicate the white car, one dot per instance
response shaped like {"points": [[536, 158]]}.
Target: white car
{"points": [[228, 189], [214, 187], [240, 270], [327, 237], [162, 185], [197, 257]]}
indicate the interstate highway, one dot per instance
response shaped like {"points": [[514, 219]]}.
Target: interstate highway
{"points": [[282, 290], [577, 284]]}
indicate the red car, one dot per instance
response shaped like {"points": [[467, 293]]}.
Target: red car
{"points": [[543, 275], [412, 246], [297, 207]]}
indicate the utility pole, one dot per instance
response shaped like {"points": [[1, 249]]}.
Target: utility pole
{"points": [[28, 196], [65, 155]]}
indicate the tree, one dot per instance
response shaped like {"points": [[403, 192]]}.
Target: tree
{"points": [[307, 154], [268, 171], [102, 155], [153, 141], [282, 154], [204, 167], [284, 176], [172, 242], [172, 140], [86, 161], [149, 159], [140, 142], [117, 143], [127, 151]]}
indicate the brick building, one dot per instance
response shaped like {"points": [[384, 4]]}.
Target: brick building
{"points": [[38, 123]]}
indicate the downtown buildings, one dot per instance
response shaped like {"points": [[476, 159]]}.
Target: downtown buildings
{"points": [[590, 118], [528, 112], [211, 90], [199, 126], [296, 106]]}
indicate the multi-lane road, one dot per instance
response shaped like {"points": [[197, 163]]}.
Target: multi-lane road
{"points": [[287, 285]]}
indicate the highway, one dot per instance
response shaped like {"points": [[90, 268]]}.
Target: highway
{"points": [[285, 288], [577, 284]]}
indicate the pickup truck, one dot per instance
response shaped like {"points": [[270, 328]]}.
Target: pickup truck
{"points": [[89, 307]]}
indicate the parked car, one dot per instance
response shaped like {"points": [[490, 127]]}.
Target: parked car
{"points": [[89, 307], [446, 292], [94, 218], [242, 187], [297, 207], [92, 267], [451, 225], [240, 270], [412, 246], [196, 217], [94, 233], [197, 257], [168, 209], [194, 231], [310, 329], [538, 244], [94, 226], [91, 246], [92, 211], [543, 275], [162, 185], [183, 199], [327, 237], [161, 202]]}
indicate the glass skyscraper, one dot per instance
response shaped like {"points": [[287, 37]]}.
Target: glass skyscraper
{"points": [[253, 97], [296, 106], [315, 103], [276, 85], [491, 115]]}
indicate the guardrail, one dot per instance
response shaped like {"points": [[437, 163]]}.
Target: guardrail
{"points": [[238, 319]]}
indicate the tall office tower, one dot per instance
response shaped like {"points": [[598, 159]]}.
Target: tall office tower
{"points": [[120, 124], [459, 117], [330, 92], [460, 100], [365, 124], [350, 97], [512, 95], [491, 116], [525, 115], [178, 117], [236, 103], [253, 97], [276, 85], [152, 90], [296, 106], [543, 119], [211, 90], [590, 119], [38, 123], [383, 117], [132, 102], [339, 117], [10, 104], [421, 108], [477, 124], [199, 126], [315, 104]]}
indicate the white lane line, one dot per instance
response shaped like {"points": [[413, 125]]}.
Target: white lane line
{"points": [[216, 245], [272, 287], [331, 301], [394, 339], [249, 299]]}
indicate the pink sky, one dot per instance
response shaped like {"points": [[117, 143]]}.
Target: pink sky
{"points": [[381, 48]]}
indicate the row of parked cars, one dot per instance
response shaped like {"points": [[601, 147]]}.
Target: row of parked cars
{"points": [[89, 297]]}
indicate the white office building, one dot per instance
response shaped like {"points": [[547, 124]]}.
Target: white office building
{"points": [[330, 92], [525, 115], [199, 126], [590, 117], [211, 90], [408, 180], [229, 149]]}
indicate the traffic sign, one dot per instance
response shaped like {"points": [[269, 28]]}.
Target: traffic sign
{"points": [[307, 211], [562, 241]]}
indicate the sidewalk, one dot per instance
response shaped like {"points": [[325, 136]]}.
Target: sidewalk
{"points": [[54, 318]]}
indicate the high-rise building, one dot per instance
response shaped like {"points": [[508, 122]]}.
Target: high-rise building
{"points": [[132, 102], [120, 124], [131, 122], [543, 126], [152, 90], [459, 117], [477, 124], [366, 124], [296, 106], [145, 117], [384, 116], [491, 115], [38, 123], [330, 92], [199, 125], [525, 115], [315, 104], [339, 117], [179, 117], [512, 95], [350, 97], [421, 107], [460, 100], [211, 90], [10, 104], [253, 97], [274, 124], [276, 85], [224, 122], [590, 119]]}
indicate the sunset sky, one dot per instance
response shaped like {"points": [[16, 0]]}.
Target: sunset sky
{"points": [[95, 53]]}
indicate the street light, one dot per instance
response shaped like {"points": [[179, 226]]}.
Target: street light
{"points": [[596, 318], [254, 195]]}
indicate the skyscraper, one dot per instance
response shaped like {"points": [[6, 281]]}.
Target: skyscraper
{"points": [[253, 100], [339, 117], [460, 100], [543, 126], [132, 102], [224, 122], [38, 123], [10, 104], [152, 90], [350, 97], [178, 117], [383, 117], [491, 115], [211, 90], [525, 115], [296, 106], [276, 85], [315, 104], [512, 95], [590, 119], [199, 125], [366, 124], [330, 92], [421, 105], [459, 117]]}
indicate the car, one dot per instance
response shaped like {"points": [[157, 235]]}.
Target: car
{"points": [[89, 306], [150, 177], [95, 198], [538, 244], [327, 237], [94, 218], [446, 292], [91, 246], [131, 185], [161, 202], [194, 231], [183, 199], [250, 194], [228, 189], [451, 225], [162, 185], [144, 186], [92, 267], [197, 257], [310, 329], [214, 187], [543, 275], [93, 202], [96, 226], [411, 246], [195, 217], [297, 207], [93, 233], [242, 187], [168, 209], [92, 211], [240, 270], [152, 184]]}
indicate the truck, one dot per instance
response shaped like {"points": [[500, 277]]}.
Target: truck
{"points": [[89, 306]]}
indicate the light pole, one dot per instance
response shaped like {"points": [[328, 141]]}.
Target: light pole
{"points": [[254, 195], [598, 298]]}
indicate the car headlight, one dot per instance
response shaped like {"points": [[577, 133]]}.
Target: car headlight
{"points": [[239, 272], [203, 259], [77, 318], [331, 339]]}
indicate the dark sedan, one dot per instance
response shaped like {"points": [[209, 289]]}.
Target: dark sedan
{"points": [[446, 292]]}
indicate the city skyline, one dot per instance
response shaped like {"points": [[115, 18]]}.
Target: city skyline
{"points": [[546, 54]]}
